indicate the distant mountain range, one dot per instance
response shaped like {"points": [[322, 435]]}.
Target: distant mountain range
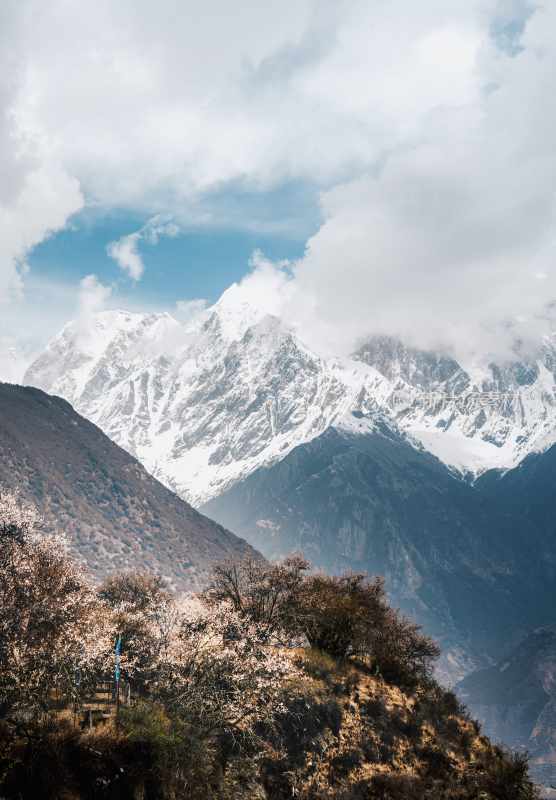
{"points": [[360, 497], [116, 516], [204, 404]]}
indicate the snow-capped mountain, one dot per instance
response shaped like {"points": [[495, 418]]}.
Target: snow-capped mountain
{"points": [[204, 404], [472, 419]]}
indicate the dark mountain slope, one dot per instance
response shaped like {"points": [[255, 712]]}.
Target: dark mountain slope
{"points": [[116, 515], [373, 502], [516, 700], [529, 491]]}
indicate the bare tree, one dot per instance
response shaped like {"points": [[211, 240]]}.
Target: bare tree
{"points": [[263, 592], [344, 616]]}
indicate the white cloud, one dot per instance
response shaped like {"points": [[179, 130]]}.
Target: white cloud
{"points": [[93, 296], [169, 103], [125, 251], [37, 196], [157, 227], [451, 241], [189, 310], [428, 128], [126, 254]]}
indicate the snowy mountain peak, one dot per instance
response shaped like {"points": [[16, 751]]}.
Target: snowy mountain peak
{"points": [[108, 344], [15, 357], [236, 314], [206, 403], [420, 369], [472, 419]]}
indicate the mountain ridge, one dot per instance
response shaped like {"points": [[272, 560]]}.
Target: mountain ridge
{"points": [[205, 403], [116, 515]]}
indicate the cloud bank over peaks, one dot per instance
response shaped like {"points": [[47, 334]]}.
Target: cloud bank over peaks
{"points": [[188, 311], [93, 296], [450, 243], [428, 129]]}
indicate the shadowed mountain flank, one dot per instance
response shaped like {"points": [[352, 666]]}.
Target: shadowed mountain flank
{"points": [[115, 514]]}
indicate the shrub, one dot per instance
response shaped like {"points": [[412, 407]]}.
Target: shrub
{"points": [[342, 764], [340, 616], [174, 760], [388, 786], [438, 764], [350, 615], [318, 665], [300, 727], [506, 777]]}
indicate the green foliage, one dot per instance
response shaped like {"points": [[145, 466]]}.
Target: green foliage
{"points": [[318, 664], [173, 757], [147, 722]]}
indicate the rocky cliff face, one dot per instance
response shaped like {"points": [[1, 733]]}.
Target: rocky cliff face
{"points": [[115, 514], [516, 700]]}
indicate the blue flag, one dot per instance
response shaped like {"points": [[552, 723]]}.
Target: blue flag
{"points": [[117, 651]]}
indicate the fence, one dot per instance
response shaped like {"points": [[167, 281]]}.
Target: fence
{"points": [[103, 705]]}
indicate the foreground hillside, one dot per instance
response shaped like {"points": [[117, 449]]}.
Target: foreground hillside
{"points": [[115, 514], [273, 683], [340, 734]]}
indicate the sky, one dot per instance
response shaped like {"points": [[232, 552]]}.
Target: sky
{"points": [[358, 167]]}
